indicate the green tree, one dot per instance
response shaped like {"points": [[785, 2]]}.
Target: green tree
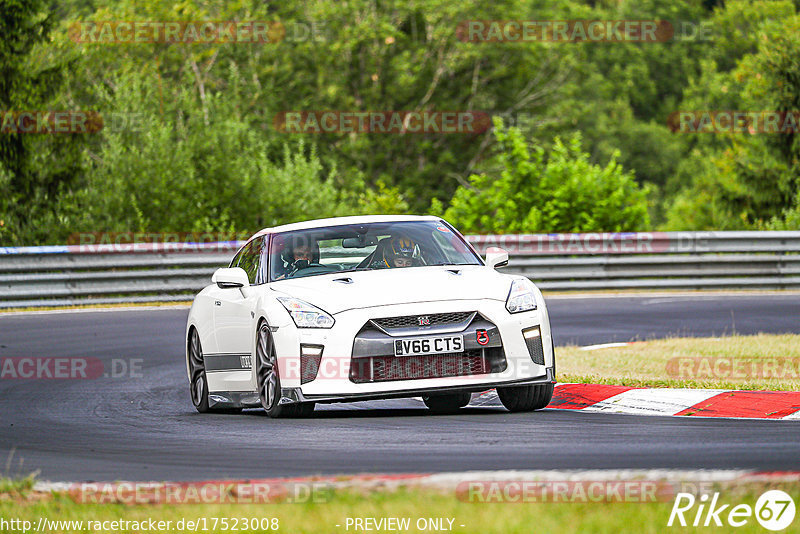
{"points": [[559, 191], [203, 152], [34, 168], [743, 180], [196, 167], [391, 55]]}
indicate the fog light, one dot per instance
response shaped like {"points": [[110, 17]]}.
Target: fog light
{"points": [[311, 350], [310, 358], [531, 333]]}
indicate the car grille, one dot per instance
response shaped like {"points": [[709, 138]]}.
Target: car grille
{"points": [[387, 368], [413, 321]]}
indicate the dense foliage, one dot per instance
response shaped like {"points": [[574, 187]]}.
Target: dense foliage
{"points": [[190, 143], [557, 192]]}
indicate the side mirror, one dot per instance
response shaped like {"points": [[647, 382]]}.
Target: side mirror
{"points": [[230, 277], [496, 257]]}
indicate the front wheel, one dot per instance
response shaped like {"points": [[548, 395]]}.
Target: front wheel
{"points": [[198, 383], [269, 380], [525, 398], [449, 403]]}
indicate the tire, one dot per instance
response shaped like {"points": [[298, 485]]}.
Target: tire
{"points": [[198, 381], [269, 380], [449, 403], [525, 398]]}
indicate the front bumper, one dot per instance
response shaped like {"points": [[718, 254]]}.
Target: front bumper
{"points": [[295, 395], [333, 381]]}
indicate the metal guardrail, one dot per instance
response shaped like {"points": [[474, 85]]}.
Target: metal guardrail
{"points": [[108, 273]]}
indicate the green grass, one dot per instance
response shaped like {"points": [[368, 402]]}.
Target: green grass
{"points": [[711, 363], [19, 487], [596, 518]]}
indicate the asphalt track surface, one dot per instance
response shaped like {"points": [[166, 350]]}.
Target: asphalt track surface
{"points": [[144, 427]]}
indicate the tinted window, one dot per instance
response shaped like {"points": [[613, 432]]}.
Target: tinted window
{"points": [[366, 247], [249, 259], [235, 260]]}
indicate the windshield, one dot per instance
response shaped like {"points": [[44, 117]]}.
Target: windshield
{"points": [[362, 247]]}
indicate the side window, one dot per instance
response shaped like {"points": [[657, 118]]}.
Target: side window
{"points": [[236, 259], [250, 259]]}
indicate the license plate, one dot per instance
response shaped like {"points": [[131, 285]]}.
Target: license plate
{"points": [[420, 346]]}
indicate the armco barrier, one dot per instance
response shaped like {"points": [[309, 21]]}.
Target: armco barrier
{"points": [[76, 274]]}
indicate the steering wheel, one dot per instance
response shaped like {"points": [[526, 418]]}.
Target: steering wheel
{"points": [[318, 268]]}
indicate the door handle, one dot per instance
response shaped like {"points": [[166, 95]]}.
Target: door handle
{"points": [[217, 303]]}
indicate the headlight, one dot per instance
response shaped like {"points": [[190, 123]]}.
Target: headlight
{"points": [[522, 297], [305, 315]]}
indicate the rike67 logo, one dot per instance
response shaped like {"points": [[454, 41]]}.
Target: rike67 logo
{"points": [[774, 510]]}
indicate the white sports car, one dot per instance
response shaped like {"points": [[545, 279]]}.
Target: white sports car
{"points": [[359, 308]]}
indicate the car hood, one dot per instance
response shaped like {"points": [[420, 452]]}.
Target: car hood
{"points": [[336, 293]]}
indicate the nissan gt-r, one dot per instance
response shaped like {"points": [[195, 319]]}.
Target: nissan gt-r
{"points": [[363, 308]]}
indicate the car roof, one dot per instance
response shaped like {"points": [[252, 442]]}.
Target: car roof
{"points": [[340, 221]]}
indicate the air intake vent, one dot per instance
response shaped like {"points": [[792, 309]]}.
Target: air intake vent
{"points": [[388, 368], [533, 340], [310, 358], [422, 320]]}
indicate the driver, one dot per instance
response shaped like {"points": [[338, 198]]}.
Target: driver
{"points": [[302, 255], [399, 252]]}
